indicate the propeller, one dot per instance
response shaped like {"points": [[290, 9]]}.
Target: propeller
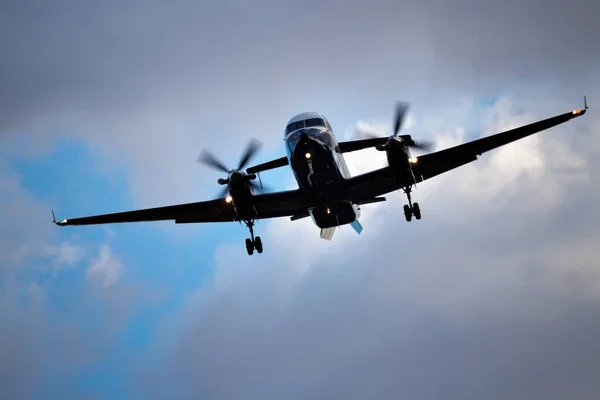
{"points": [[399, 116], [234, 176]]}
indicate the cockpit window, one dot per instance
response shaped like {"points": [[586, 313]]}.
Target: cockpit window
{"points": [[314, 122], [307, 123], [294, 126]]}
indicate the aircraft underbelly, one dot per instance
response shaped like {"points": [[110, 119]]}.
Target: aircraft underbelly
{"points": [[335, 214], [318, 172]]}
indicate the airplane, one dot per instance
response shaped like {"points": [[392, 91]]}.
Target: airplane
{"points": [[326, 190]]}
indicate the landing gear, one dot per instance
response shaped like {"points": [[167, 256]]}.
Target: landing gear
{"points": [[253, 243], [411, 208]]}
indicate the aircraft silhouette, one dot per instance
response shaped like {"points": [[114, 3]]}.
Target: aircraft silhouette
{"points": [[326, 190]]}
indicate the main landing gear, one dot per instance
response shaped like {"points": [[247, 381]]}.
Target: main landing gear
{"points": [[253, 243], [411, 208]]}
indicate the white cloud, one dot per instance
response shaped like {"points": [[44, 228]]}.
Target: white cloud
{"points": [[106, 268], [69, 253]]}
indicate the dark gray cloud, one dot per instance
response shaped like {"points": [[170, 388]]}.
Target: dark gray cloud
{"points": [[154, 82], [493, 294], [122, 58]]}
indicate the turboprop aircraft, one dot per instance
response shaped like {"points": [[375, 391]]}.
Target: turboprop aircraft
{"points": [[326, 190]]}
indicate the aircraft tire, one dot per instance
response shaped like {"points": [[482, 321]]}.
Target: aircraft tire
{"points": [[416, 211], [249, 247], [258, 245], [407, 213]]}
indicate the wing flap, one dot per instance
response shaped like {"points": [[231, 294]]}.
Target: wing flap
{"points": [[327, 233]]}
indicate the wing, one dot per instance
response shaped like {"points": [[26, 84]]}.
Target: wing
{"points": [[270, 205], [277, 163], [354, 145], [381, 181], [207, 211], [433, 164]]}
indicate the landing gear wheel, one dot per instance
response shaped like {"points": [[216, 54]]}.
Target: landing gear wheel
{"points": [[249, 247], [258, 245], [407, 213], [416, 211], [253, 243], [411, 208]]}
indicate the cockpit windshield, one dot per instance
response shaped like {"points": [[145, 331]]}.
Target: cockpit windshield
{"points": [[314, 122], [294, 126], [307, 123]]}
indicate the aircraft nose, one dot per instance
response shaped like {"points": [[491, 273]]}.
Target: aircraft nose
{"points": [[303, 139], [310, 135]]}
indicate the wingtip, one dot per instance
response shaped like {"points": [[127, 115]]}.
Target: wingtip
{"points": [[579, 113], [59, 223]]}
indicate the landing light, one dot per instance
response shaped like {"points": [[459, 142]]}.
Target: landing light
{"points": [[328, 211], [575, 112], [308, 156], [412, 160], [228, 199]]}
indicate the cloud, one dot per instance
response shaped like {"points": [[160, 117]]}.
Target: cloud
{"points": [[106, 268], [20, 347], [69, 253], [24, 240], [489, 294], [44, 309], [486, 296]]}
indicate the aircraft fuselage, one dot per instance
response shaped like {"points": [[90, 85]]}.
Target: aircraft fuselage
{"points": [[319, 168]]}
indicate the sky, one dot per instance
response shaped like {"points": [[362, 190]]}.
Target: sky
{"points": [[105, 107]]}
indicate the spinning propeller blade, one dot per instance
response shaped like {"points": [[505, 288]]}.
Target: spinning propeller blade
{"points": [[224, 192], [425, 146], [399, 117], [234, 175], [207, 158], [253, 147], [401, 110], [259, 188]]}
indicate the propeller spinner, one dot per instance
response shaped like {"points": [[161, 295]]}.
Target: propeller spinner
{"points": [[406, 140], [234, 176]]}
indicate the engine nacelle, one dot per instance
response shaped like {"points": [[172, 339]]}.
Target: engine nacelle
{"points": [[335, 214], [398, 157]]}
